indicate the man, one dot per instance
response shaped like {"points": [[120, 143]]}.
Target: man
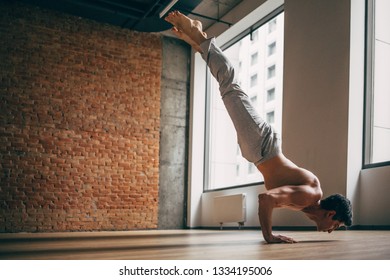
{"points": [[288, 186]]}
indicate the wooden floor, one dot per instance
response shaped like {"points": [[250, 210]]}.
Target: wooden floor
{"points": [[195, 245]]}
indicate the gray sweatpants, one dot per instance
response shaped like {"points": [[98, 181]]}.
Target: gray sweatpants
{"points": [[257, 139]]}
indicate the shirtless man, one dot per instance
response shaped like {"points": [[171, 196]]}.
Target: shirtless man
{"points": [[288, 186]]}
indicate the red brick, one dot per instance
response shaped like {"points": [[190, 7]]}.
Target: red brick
{"points": [[79, 133]]}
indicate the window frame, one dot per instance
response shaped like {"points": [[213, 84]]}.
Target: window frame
{"points": [[369, 88], [206, 157]]}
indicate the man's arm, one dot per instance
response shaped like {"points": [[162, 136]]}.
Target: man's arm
{"points": [[292, 197], [266, 206]]}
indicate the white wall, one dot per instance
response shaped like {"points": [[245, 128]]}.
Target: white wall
{"points": [[374, 197], [316, 75]]}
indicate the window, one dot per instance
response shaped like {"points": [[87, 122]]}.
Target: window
{"points": [[224, 165], [271, 48], [254, 36], [254, 58], [254, 80], [270, 94], [377, 118], [271, 72], [272, 25], [271, 117]]}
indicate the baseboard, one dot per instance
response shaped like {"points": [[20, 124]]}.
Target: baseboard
{"points": [[371, 227], [296, 228]]}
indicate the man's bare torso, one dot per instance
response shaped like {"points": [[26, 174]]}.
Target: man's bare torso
{"points": [[280, 171]]}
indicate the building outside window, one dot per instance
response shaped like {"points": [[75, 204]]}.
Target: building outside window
{"points": [[262, 81]]}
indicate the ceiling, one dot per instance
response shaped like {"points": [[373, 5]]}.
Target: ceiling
{"points": [[140, 15]]}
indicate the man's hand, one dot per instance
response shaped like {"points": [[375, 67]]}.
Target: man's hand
{"points": [[280, 239]]}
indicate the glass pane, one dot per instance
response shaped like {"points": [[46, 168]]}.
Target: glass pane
{"points": [[260, 76], [380, 141]]}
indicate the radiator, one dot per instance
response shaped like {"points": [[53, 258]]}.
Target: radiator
{"points": [[230, 208]]}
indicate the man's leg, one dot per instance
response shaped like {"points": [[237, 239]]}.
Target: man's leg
{"points": [[256, 138]]}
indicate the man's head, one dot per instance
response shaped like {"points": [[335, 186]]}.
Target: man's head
{"points": [[338, 212]]}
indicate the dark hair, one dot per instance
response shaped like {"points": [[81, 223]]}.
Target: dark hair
{"points": [[341, 205]]}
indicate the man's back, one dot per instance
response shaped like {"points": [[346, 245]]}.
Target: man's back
{"points": [[280, 171]]}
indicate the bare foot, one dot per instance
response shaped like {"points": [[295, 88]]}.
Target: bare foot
{"points": [[185, 38], [187, 29]]}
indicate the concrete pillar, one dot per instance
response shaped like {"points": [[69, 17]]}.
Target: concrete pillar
{"points": [[174, 133]]}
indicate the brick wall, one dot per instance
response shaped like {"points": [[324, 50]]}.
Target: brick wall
{"points": [[79, 123]]}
